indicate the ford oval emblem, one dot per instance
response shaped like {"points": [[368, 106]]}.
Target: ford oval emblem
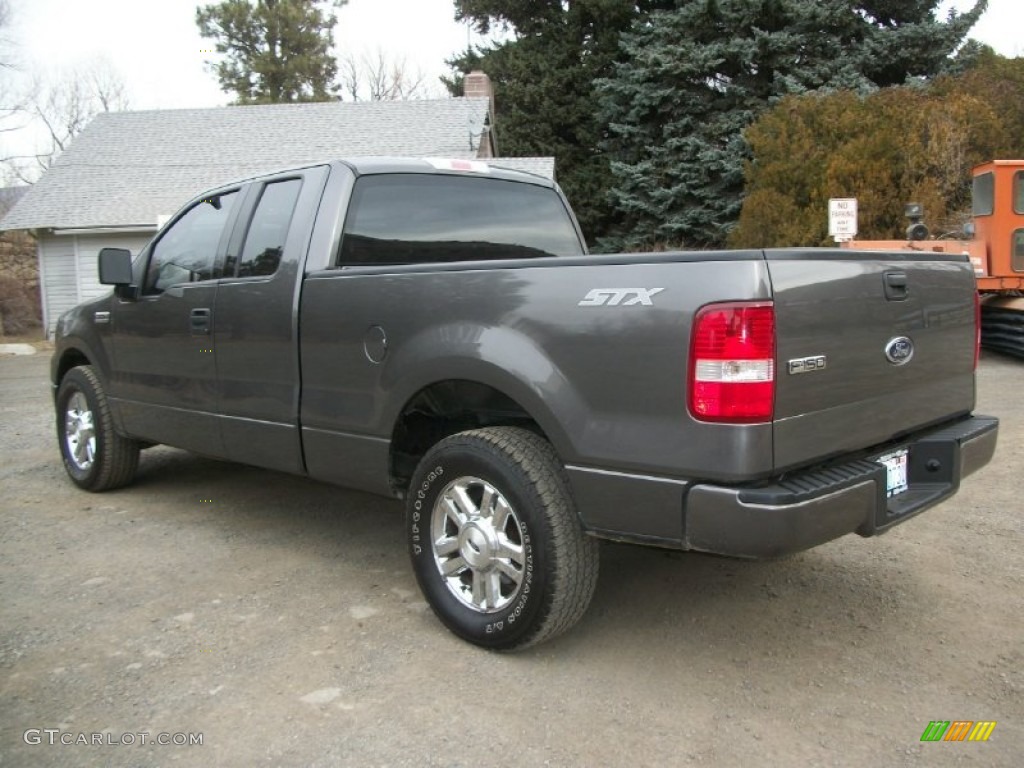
{"points": [[899, 350]]}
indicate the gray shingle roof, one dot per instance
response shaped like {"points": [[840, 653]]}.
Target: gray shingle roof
{"points": [[126, 168], [10, 195]]}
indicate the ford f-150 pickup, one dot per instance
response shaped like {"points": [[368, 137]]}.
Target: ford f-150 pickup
{"points": [[435, 331]]}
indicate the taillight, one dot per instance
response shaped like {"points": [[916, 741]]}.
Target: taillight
{"points": [[732, 363], [977, 329]]}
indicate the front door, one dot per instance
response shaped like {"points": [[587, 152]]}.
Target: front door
{"points": [[165, 372]]}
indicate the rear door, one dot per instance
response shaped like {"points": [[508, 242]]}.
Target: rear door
{"points": [[256, 332], [870, 346]]}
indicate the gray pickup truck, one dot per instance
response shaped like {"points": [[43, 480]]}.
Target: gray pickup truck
{"points": [[435, 331]]}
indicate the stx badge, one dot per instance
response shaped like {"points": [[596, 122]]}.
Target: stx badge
{"points": [[614, 297]]}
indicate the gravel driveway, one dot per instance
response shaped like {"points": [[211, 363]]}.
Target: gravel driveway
{"points": [[276, 620]]}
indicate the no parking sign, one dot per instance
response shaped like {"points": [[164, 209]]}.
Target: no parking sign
{"points": [[842, 218]]}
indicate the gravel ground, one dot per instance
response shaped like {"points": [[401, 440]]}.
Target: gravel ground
{"points": [[278, 620]]}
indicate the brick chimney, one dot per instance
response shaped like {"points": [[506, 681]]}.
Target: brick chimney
{"points": [[478, 85]]}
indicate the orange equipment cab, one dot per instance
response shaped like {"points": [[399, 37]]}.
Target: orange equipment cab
{"points": [[998, 203]]}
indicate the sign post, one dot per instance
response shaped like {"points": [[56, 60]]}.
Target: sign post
{"points": [[842, 218]]}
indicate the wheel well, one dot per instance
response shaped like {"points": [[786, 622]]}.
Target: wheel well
{"points": [[444, 409], [72, 358]]}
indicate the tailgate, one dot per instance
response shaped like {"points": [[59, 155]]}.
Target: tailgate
{"points": [[871, 346]]}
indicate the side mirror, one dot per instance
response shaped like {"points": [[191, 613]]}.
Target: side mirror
{"points": [[115, 266]]}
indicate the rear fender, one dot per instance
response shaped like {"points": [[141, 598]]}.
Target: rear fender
{"points": [[501, 358]]}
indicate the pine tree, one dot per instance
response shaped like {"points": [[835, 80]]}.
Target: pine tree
{"points": [[544, 85], [697, 75], [274, 50]]}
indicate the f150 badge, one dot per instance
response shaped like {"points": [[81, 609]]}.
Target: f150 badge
{"points": [[807, 364], [614, 297]]}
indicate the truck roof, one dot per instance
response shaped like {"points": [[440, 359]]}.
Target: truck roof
{"points": [[363, 166], [490, 167]]}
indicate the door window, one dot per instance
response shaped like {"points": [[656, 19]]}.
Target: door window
{"points": [[984, 194], [186, 252], [268, 230]]}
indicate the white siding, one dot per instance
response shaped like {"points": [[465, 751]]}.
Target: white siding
{"points": [[68, 273], [57, 271]]}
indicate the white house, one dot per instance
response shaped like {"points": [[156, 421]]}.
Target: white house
{"points": [[128, 171]]}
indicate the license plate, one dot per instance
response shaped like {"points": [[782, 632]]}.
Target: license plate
{"points": [[895, 464]]}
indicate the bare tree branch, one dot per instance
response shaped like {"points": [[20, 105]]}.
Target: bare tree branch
{"points": [[8, 101], [5, 41], [377, 76], [63, 108]]}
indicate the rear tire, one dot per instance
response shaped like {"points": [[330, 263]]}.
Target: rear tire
{"points": [[494, 539], [95, 456]]}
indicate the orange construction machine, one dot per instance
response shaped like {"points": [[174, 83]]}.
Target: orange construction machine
{"points": [[996, 249]]}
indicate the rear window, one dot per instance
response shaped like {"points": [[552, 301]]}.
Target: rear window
{"points": [[424, 219], [268, 230], [984, 194]]}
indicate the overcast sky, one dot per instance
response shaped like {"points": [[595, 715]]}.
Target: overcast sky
{"points": [[156, 47]]}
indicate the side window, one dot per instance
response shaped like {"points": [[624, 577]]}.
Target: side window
{"points": [[984, 194], [425, 218], [185, 253], [1018, 192], [268, 230]]}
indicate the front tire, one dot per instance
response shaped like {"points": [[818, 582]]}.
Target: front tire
{"points": [[95, 456], [494, 539]]}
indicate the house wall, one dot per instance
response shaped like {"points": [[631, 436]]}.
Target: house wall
{"points": [[68, 272]]}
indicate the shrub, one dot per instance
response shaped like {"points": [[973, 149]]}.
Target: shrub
{"points": [[19, 307]]}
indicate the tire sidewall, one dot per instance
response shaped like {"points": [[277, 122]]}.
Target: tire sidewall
{"points": [[76, 381], [513, 624]]}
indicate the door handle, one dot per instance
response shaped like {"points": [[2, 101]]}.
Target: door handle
{"points": [[199, 321], [897, 287]]}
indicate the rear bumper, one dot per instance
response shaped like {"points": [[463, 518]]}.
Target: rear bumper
{"points": [[805, 509]]}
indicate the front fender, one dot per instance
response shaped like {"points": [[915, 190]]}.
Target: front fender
{"points": [[78, 342]]}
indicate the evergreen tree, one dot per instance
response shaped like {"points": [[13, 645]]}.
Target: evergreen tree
{"points": [[544, 85], [274, 50], [697, 75]]}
